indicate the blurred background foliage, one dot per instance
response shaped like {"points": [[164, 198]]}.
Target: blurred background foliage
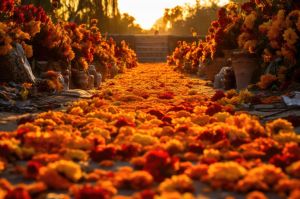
{"points": [[180, 20]]}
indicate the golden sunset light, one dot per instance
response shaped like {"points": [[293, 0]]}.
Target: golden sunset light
{"points": [[147, 12], [149, 99]]}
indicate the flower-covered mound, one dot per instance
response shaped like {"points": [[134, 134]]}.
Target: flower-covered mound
{"points": [[151, 133]]}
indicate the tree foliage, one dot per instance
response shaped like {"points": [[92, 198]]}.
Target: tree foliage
{"points": [[187, 19], [82, 11]]}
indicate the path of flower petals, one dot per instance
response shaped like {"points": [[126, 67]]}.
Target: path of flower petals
{"points": [[150, 133], [153, 86]]}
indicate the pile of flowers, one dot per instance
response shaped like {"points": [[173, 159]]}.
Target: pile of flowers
{"points": [[220, 36], [60, 43], [267, 29], [165, 148]]}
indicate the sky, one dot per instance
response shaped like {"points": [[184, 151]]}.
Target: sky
{"points": [[146, 12]]}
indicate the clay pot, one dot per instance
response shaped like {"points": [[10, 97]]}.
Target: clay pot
{"points": [[187, 66], [214, 67], [91, 81], [244, 65], [66, 75], [80, 79], [113, 70], [97, 76], [102, 69]]}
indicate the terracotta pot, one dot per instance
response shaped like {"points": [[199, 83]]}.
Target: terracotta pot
{"points": [[91, 81], [102, 69], [187, 66], [113, 70], [214, 67], [243, 65], [80, 79], [39, 67], [97, 76], [66, 76]]}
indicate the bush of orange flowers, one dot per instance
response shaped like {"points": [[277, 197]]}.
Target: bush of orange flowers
{"points": [[267, 29], [63, 46]]}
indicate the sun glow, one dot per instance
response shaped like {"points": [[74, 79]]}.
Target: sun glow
{"points": [[146, 12]]}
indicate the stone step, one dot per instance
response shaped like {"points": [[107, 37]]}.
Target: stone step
{"points": [[151, 59], [156, 38], [151, 54], [151, 49], [150, 44]]}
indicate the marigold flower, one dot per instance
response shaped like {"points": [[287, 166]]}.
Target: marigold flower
{"points": [[211, 153], [92, 192], [166, 95], [250, 20], [160, 164], [17, 193], [266, 81], [292, 17], [243, 38], [256, 195], [213, 108], [174, 146], [140, 180], [32, 169], [197, 171], [295, 194], [236, 135], [288, 52], [144, 139], [201, 120], [287, 185], [264, 27], [7, 6], [286, 137], [70, 169], [83, 63], [103, 153], [261, 177], [250, 45], [180, 183], [279, 126], [53, 179], [76, 111], [33, 27], [76, 154], [276, 45], [218, 95], [294, 169], [5, 49], [221, 116], [290, 36], [226, 171]]}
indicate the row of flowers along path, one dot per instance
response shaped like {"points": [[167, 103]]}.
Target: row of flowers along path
{"points": [[169, 130]]}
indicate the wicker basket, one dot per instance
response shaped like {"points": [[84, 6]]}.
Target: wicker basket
{"points": [[214, 67]]}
